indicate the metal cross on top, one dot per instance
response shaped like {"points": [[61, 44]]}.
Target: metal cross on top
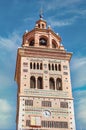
{"points": [[41, 13]]}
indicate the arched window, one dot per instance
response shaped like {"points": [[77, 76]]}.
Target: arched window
{"points": [[59, 84], [31, 42], [59, 67], [34, 66], [30, 65], [39, 83], [39, 25], [37, 65], [49, 67], [32, 82], [42, 41], [52, 66], [40, 66], [42, 25], [55, 66], [52, 83], [53, 45]]}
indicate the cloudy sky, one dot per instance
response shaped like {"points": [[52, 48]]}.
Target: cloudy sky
{"points": [[66, 17]]}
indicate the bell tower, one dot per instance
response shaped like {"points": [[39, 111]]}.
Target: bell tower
{"points": [[44, 96]]}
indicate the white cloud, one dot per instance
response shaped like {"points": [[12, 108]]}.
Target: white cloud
{"points": [[64, 22], [4, 106], [79, 71], [57, 4], [8, 50], [8, 47], [5, 114], [11, 42], [80, 108], [78, 11], [66, 12]]}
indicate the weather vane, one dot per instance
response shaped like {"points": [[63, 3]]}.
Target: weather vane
{"points": [[41, 13]]}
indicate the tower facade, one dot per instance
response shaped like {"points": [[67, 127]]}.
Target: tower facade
{"points": [[44, 96]]}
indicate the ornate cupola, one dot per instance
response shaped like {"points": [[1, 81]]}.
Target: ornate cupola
{"points": [[42, 36]]}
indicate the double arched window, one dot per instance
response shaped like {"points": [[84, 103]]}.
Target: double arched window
{"points": [[57, 83], [33, 82]]}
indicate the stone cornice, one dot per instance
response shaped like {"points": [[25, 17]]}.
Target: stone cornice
{"points": [[44, 53]]}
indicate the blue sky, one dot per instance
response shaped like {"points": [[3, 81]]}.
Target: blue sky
{"points": [[66, 17]]}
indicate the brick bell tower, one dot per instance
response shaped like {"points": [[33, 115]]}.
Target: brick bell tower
{"points": [[44, 96]]}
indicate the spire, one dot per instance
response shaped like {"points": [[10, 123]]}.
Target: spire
{"points": [[41, 14], [41, 23]]}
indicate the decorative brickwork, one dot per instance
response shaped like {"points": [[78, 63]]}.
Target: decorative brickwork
{"points": [[44, 99]]}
